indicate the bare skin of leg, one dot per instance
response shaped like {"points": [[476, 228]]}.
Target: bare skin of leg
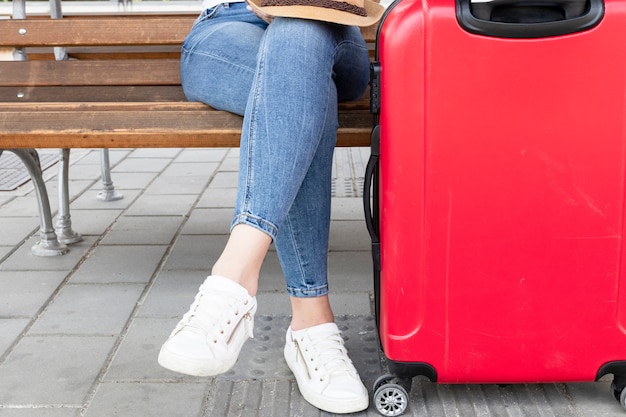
{"points": [[243, 256], [241, 261], [309, 312]]}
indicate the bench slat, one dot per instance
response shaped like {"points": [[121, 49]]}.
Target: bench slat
{"points": [[145, 125], [86, 93], [71, 73], [106, 30], [96, 30]]}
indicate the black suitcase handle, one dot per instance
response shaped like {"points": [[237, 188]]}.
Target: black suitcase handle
{"points": [[529, 18]]}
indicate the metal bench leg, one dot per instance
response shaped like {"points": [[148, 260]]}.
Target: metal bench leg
{"points": [[63, 225], [19, 12], [48, 244], [108, 192]]}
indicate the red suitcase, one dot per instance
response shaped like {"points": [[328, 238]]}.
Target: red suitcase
{"points": [[498, 168]]}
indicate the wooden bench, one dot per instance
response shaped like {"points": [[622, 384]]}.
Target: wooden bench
{"points": [[113, 84]]}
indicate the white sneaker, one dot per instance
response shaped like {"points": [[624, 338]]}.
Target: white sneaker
{"points": [[208, 339], [325, 374]]}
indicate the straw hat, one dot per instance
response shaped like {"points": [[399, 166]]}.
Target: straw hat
{"points": [[347, 12]]}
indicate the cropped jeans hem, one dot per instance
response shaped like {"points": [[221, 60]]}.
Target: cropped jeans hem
{"points": [[307, 292], [256, 222]]}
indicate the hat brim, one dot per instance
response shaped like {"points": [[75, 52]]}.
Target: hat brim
{"points": [[374, 13]]}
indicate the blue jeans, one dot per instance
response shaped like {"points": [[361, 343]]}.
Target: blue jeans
{"points": [[285, 79]]}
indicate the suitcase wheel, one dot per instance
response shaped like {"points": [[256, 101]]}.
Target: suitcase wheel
{"points": [[390, 397], [618, 388]]}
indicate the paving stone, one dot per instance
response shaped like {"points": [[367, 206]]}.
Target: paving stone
{"points": [[143, 230], [15, 229], [23, 259], [217, 197], [350, 272], [88, 309], [4, 252], [118, 264], [40, 412], [24, 292], [136, 358], [148, 400], [349, 235], [192, 184], [88, 200], [195, 253], [201, 155], [155, 153], [93, 222], [162, 205], [123, 181], [211, 221], [10, 329], [142, 165], [55, 370], [224, 179], [171, 294]]}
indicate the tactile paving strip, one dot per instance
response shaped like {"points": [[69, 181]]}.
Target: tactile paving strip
{"points": [[262, 356], [13, 173]]}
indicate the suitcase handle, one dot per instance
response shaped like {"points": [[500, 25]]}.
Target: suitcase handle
{"points": [[529, 18], [371, 182]]}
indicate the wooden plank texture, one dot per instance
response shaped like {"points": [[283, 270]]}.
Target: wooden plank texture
{"points": [[96, 30], [142, 125]]}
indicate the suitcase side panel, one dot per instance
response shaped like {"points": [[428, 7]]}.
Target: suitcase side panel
{"points": [[509, 175]]}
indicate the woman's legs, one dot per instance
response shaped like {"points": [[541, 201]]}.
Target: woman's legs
{"points": [[291, 89]]}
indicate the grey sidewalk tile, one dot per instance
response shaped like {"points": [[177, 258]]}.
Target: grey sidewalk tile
{"points": [[218, 197], [40, 412], [347, 209], [230, 164], [10, 329], [93, 222], [118, 264], [25, 206], [56, 370], [16, 229], [350, 271], [88, 200], [123, 181], [353, 303], [88, 309], [136, 358], [84, 172], [94, 156], [25, 292], [273, 303], [212, 221], [272, 278], [224, 179], [349, 235], [155, 153], [142, 165], [24, 260], [143, 230], [199, 169], [594, 399], [4, 251], [202, 155], [195, 253], [148, 400], [191, 184], [162, 205], [171, 294]]}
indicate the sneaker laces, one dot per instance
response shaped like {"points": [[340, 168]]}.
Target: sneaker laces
{"points": [[212, 311], [333, 356]]}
